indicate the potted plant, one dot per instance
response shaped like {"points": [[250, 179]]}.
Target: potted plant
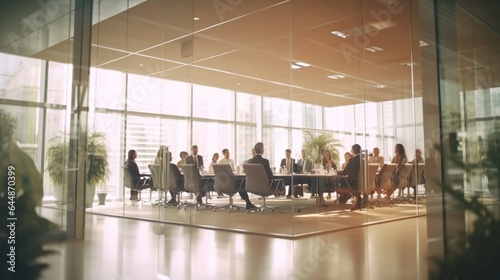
{"points": [[491, 159], [317, 144], [56, 165], [97, 165]]}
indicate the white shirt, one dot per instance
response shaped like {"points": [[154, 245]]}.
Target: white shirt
{"points": [[227, 161]]}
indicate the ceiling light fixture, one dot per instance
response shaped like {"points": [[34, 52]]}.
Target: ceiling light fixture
{"points": [[339, 33], [408, 64], [299, 64], [423, 44], [374, 49], [378, 86], [336, 76], [196, 18]]}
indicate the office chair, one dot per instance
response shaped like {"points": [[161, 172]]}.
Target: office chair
{"points": [[142, 183], [225, 182], [193, 183], [258, 184]]}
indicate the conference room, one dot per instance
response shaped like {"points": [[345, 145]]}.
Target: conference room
{"points": [[295, 75]]}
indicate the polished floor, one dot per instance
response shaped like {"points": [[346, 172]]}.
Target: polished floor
{"points": [[121, 248]]}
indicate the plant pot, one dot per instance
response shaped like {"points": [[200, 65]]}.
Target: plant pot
{"points": [[102, 198], [60, 194], [89, 195], [493, 186]]}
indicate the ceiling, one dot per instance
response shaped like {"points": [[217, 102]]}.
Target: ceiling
{"points": [[249, 46]]}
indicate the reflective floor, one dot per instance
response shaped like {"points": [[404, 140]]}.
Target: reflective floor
{"points": [[120, 248]]}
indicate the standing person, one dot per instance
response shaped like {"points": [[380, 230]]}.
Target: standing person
{"points": [[399, 159], [131, 165], [226, 159], [377, 158], [183, 155], [328, 164]]}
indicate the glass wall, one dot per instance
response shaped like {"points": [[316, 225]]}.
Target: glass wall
{"points": [[225, 76]]}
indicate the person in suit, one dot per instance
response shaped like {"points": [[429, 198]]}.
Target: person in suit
{"points": [[259, 151], [137, 177], [305, 164], [352, 171], [195, 158], [288, 162]]}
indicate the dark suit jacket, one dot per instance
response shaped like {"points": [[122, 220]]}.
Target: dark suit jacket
{"points": [[295, 168], [264, 162], [352, 167], [190, 160]]}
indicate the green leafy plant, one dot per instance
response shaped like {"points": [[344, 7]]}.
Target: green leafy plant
{"points": [[317, 144], [97, 163], [25, 195]]}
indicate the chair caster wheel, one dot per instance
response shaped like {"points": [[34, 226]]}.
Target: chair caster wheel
{"points": [[260, 213], [272, 210], [248, 211], [213, 210], [228, 211]]}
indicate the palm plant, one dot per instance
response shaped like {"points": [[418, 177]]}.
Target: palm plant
{"points": [[317, 144]]}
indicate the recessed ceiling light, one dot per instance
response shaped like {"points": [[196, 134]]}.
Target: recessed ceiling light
{"points": [[378, 86], [374, 49], [381, 25], [423, 44], [140, 64], [196, 18], [336, 76], [299, 64], [339, 33], [408, 64]]}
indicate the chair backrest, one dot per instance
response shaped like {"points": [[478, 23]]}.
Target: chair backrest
{"points": [[256, 179], [224, 179], [385, 176], [372, 173], [172, 178], [155, 174], [404, 175], [191, 178], [417, 172], [127, 178]]}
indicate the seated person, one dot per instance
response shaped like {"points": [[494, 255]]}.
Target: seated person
{"points": [[289, 166], [259, 151], [328, 164], [178, 175], [351, 172], [142, 181], [183, 155], [347, 157]]}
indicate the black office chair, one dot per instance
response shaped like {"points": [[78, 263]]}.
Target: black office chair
{"points": [[141, 184], [226, 183], [258, 184]]}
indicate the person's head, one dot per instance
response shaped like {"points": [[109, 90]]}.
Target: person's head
{"points": [[376, 151], [132, 154], [259, 148], [418, 153], [225, 153], [194, 150], [304, 153], [215, 157], [399, 149], [327, 155], [183, 155], [253, 152], [288, 153], [347, 156], [356, 149]]}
